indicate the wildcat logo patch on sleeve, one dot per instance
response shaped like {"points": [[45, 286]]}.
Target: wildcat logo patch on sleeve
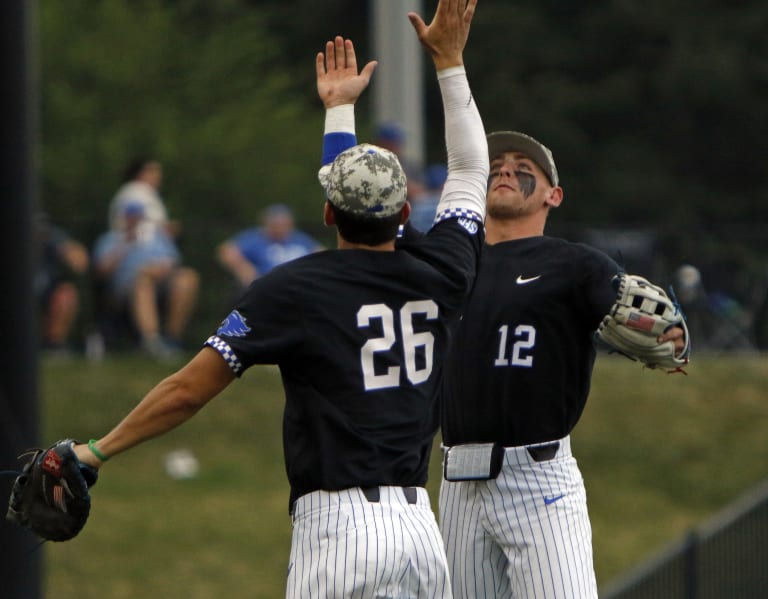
{"points": [[233, 325]]}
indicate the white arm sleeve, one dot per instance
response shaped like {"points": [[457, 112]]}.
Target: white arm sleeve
{"points": [[338, 135], [468, 165], [340, 119]]}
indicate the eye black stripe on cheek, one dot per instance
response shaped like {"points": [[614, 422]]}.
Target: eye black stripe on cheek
{"points": [[527, 183]]}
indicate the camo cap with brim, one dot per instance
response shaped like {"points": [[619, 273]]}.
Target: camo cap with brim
{"points": [[365, 180]]}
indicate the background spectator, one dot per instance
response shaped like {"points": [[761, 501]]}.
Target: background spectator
{"points": [[254, 252], [61, 261], [390, 136], [141, 185], [145, 279], [423, 204]]}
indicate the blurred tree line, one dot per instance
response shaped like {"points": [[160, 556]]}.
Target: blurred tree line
{"points": [[655, 111]]}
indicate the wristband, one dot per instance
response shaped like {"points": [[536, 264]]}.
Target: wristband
{"points": [[340, 119], [95, 451]]}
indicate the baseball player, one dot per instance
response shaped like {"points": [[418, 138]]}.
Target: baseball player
{"points": [[513, 509], [359, 334]]}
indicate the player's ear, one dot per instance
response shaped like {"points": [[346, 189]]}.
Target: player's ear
{"points": [[328, 217], [554, 197], [405, 213]]}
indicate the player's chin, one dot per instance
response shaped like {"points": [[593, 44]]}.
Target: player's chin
{"points": [[503, 210]]}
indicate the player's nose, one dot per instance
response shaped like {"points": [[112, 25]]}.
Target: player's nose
{"points": [[507, 169]]}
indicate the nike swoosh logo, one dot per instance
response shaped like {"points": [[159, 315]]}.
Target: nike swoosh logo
{"points": [[522, 281], [551, 500]]}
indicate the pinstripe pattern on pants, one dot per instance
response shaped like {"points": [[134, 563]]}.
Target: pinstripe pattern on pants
{"points": [[346, 546], [524, 535]]}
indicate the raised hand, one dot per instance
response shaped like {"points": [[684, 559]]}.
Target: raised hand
{"points": [[445, 37], [338, 81]]}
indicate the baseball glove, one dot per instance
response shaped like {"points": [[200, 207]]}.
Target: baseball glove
{"points": [[51, 496], [641, 313]]}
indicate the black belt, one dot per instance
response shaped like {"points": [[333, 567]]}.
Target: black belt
{"points": [[543, 453], [373, 494]]}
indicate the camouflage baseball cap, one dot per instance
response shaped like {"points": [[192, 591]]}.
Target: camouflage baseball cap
{"points": [[514, 141], [365, 180]]}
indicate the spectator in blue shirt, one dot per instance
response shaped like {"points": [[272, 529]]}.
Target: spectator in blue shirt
{"points": [[253, 252], [146, 279]]}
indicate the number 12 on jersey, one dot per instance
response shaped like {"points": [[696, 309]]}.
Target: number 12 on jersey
{"points": [[523, 339]]}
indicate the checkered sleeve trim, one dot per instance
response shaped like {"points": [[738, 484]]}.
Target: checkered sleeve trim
{"points": [[458, 213], [226, 352]]}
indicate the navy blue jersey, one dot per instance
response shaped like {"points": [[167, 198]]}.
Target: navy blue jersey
{"points": [[359, 337], [520, 370]]}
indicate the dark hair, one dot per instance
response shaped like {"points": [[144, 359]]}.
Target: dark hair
{"points": [[134, 167], [367, 230]]}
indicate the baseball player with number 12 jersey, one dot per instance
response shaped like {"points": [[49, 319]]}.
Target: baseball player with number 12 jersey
{"points": [[513, 507]]}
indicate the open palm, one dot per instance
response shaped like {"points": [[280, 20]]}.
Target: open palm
{"points": [[338, 81]]}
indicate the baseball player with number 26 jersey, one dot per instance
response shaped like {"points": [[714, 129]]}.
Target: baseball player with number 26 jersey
{"points": [[359, 334], [513, 508]]}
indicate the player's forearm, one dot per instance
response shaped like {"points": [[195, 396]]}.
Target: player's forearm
{"points": [[169, 404], [466, 145], [339, 133]]}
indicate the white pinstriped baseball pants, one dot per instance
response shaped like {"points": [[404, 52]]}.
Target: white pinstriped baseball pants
{"points": [[524, 535], [345, 546]]}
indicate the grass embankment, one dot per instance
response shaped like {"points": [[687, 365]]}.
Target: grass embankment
{"points": [[659, 454]]}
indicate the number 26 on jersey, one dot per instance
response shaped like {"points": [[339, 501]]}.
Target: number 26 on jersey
{"points": [[413, 343]]}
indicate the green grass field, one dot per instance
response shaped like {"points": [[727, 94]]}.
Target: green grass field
{"points": [[660, 454]]}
